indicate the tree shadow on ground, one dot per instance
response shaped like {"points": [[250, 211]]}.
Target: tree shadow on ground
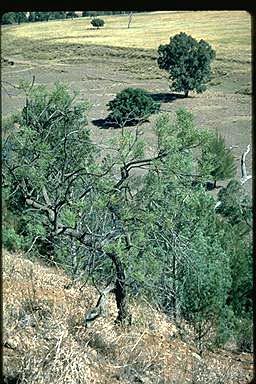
{"points": [[107, 123], [166, 97]]}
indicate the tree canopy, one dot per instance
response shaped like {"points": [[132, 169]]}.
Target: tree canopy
{"points": [[187, 61], [151, 232]]}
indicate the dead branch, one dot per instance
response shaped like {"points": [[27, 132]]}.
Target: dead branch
{"points": [[244, 176]]}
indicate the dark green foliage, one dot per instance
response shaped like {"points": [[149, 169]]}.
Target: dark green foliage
{"points": [[218, 159], [154, 233], [10, 17], [71, 14], [97, 23], [43, 122], [39, 16], [235, 205], [45, 16], [244, 335], [31, 16], [20, 17], [187, 61], [132, 104], [59, 15]]}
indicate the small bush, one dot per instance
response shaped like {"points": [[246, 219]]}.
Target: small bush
{"points": [[97, 23], [244, 335], [131, 105], [11, 240]]}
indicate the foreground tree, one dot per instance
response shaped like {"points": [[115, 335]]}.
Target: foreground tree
{"points": [[187, 61], [52, 173], [140, 230]]}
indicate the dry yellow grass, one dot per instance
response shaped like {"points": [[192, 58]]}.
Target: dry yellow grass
{"points": [[229, 32], [45, 340]]}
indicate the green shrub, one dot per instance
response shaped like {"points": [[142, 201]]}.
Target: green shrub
{"points": [[244, 335], [132, 105], [97, 23], [11, 240]]}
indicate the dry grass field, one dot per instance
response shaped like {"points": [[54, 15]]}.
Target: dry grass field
{"points": [[228, 31]]}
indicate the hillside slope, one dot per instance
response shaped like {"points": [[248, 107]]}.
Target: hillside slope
{"points": [[45, 340]]}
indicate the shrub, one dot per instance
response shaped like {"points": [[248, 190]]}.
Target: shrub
{"points": [[187, 61], [131, 105], [218, 158], [97, 23]]}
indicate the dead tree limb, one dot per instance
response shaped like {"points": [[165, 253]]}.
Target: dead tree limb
{"points": [[244, 176]]}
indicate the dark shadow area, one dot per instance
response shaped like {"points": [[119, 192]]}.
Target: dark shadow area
{"points": [[166, 97], [106, 123], [11, 379]]}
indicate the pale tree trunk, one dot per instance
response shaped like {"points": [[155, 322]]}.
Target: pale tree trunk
{"points": [[130, 19], [244, 176]]}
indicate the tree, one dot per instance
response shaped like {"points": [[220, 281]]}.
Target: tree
{"points": [[51, 171], [45, 16], [59, 15], [187, 61], [20, 17], [96, 22], [71, 14], [31, 17], [218, 159], [8, 18], [150, 232], [131, 104]]}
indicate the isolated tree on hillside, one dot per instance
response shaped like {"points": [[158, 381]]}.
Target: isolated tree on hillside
{"points": [[96, 22], [187, 61]]}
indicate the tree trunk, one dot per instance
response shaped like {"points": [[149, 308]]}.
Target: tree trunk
{"points": [[123, 316], [186, 93], [130, 19]]}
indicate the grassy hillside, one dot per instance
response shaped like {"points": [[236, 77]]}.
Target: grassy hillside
{"points": [[227, 31], [45, 340]]}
